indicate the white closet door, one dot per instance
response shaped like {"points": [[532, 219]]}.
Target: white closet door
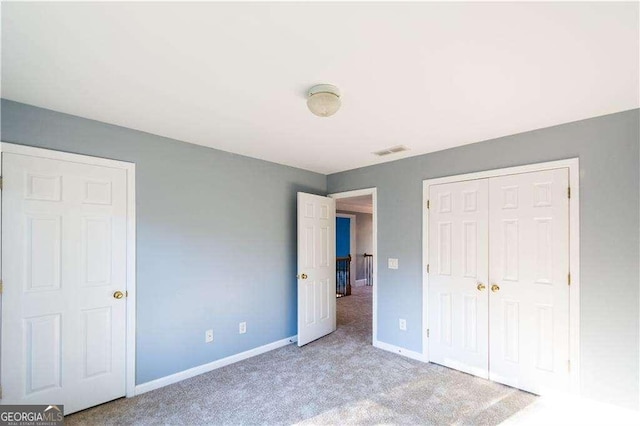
{"points": [[529, 266], [64, 256], [458, 276]]}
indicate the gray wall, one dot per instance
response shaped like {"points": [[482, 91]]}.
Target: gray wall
{"points": [[609, 221], [216, 237], [364, 239], [205, 261]]}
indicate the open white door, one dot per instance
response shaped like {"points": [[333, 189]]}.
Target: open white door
{"points": [[316, 267]]}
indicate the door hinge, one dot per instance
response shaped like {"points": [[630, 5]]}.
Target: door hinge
{"points": [[1, 287], [569, 365], [0, 182], [427, 268], [0, 392], [427, 333], [569, 192], [569, 279], [428, 204]]}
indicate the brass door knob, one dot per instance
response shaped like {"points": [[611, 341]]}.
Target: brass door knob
{"points": [[495, 288], [304, 276], [481, 287], [118, 295]]}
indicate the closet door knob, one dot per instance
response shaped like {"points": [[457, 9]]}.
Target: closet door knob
{"points": [[481, 287], [495, 288]]}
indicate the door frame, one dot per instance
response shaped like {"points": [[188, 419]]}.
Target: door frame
{"points": [[374, 217], [130, 169], [573, 164], [352, 243]]}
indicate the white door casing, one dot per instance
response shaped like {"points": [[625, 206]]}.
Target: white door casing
{"points": [[316, 267], [458, 291], [66, 248], [529, 271]]}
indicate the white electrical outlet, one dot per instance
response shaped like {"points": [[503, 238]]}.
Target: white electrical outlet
{"points": [[393, 263], [208, 336], [242, 327], [403, 324]]}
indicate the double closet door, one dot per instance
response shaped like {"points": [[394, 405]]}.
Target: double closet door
{"points": [[498, 279]]}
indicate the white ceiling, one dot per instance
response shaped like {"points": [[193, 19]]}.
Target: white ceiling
{"points": [[234, 75], [362, 204]]}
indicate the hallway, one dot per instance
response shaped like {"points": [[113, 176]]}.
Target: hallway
{"points": [[354, 315]]}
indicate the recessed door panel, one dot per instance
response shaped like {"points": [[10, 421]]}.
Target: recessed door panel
{"points": [[325, 294], [544, 337], [43, 187], [97, 192], [470, 322], [544, 250], [309, 245], [446, 328], [42, 261], [97, 334], [43, 348], [310, 303], [510, 250], [444, 248], [96, 250], [470, 248], [324, 247], [511, 331]]}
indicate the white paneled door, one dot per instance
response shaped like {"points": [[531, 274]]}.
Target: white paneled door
{"points": [[458, 295], [529, 268], [498, 280], [64, 228], [316, 267]]}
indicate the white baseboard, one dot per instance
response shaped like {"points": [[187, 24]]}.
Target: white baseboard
{"points": [[205, 368], [361, 283], [401, 351]]}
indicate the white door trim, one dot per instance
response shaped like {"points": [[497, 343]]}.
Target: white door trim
{"points": [[352, 243], [130, 168], [374, 199], [573, 165]]}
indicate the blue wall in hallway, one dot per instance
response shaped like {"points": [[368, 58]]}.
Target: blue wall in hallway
{"points": [[343, 236]]}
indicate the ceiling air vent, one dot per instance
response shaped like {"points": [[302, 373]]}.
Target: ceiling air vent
{"points": [[392, 150]]}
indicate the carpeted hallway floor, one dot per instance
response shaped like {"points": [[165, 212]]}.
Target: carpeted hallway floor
{"points": [[339, 379]]}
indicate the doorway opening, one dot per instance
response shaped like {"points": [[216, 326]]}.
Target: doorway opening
{"points": [[355, 263]]}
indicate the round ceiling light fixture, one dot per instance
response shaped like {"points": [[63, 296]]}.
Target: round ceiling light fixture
{"points": [[324, 100]]}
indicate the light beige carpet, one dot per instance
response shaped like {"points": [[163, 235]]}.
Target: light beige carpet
{"points": [[339, 379]]}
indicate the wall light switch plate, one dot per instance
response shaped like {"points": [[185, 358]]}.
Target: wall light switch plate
{"points": [[242, 328], [393, 263], [208, 336]]}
